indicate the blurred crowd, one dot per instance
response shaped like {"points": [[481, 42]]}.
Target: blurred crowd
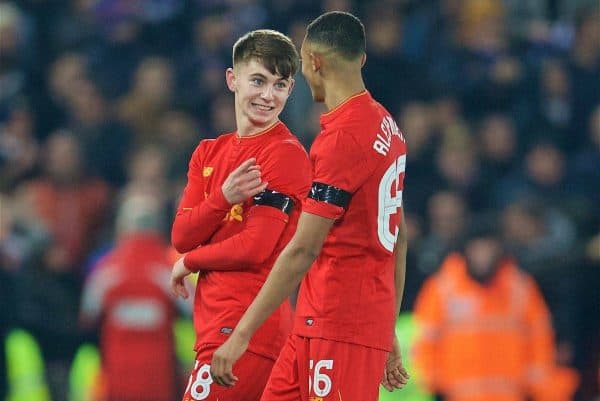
{"points": [[104, 100]]}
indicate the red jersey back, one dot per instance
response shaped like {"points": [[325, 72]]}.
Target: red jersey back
{"points": [[349, 293], [129, 288], [223, 296]]}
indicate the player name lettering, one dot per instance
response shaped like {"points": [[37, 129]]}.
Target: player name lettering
{"points": [[383, 139]]}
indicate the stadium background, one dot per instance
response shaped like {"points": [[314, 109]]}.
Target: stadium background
{"points": [[499, 102]]}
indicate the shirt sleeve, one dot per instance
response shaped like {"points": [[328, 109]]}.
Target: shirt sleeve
{"points": [[286, 167], [287, 170], [198, 216], [338, 161], [252, 246]]}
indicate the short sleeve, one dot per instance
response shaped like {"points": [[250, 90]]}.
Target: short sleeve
{"points": [[338, 161]]}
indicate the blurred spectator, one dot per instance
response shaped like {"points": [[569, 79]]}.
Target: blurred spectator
{"points": [[447, 116], [483, 68], [248, 15], [584, 171], [386, 63], [69, 204], [66, 209], [13, 72], [67, 73], [486, 332], [457, 167], [590, 344], [522, 15], [201, 65], [448, 222], [543, 175], [221, 110], [105, 141], [149, 98], [18, 147], [179, 134], [541, 238], [119, 50], [553, 108], [498, 142], [416, 124], [536, 233], [147, 173], [74, 27], [584, 68], [128, 295], [8, 265]]}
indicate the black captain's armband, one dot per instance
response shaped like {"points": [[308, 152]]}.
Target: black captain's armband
{"points": [[274, 199], [330, 194]]}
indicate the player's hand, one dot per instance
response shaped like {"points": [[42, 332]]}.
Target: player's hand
{"points": [[221, 368], [177, 284], [243, 182], [394, 375]]}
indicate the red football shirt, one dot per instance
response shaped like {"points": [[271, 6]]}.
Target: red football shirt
{"points": [[129, 289], [239, 244], [349, 293]]}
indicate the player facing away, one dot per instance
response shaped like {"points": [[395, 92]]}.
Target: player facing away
{"points": [[239, 209], [351, 235]]}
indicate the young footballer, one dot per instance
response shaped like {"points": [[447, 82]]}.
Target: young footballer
{"points": [[239, 209]]}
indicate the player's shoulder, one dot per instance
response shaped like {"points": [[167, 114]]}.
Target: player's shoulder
{"points": [[208, 145], [286, 143]]}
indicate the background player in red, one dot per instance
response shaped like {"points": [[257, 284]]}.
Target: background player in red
{"points": [[239, 209], [351, 227], [128, 292]]}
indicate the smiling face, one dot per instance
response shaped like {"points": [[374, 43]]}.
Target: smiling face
{"points": [[259, 95]]}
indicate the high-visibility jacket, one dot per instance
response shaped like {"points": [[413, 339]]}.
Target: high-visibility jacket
{"points": [[490, 342]]}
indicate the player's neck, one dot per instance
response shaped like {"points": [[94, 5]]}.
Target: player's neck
{"points": [[338, 90], [246, 128]]}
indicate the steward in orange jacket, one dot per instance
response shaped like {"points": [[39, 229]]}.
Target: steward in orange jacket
{"points": [[485, 331]]}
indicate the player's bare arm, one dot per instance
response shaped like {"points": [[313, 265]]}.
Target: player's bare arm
{"points": [[289, 269], [395, 376]]}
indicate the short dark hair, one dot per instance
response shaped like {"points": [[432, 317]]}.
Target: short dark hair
{"points": [[271, 48], [340, 31]]}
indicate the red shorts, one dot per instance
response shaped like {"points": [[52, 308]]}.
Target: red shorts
{"points": [[252, 370], [314, 369]]}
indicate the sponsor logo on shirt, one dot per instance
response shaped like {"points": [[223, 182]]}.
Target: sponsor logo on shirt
{"points": [[309, 322], [207, 171]]}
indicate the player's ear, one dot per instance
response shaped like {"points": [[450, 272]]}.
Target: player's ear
{"points": [[363, 60], [315, 61], [291, 87], [230, 79]]}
